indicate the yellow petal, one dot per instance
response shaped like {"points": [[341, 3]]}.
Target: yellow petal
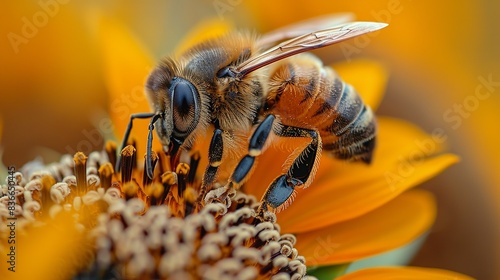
{"points": [[55, 250], [49, 79], [388, 227], [368, 77], [409, 273], [207, 29], [126, 66], [343, 191]]}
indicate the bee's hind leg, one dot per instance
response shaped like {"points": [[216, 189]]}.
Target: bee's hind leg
{"points": [[281, 191]]}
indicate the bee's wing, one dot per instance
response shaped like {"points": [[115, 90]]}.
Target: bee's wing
{"points": [[303, 27], [307, 42]]}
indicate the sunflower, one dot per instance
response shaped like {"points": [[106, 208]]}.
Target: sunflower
{"points": [[350, 215], [347, 202]]}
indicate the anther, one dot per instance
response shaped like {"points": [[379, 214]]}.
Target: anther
{"points": [[106, 174], [182, 171], [155, 191], [110, 148], [128, 158], [80, 160], [168, 179]]}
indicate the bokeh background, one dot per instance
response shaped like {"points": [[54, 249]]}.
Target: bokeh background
{"points": [[443, 59]]}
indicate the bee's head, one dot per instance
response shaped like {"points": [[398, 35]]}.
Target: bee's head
{"points": [[179, 101]]}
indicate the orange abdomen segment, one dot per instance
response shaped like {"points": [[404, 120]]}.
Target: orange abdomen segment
{"points": [[305, 94]]}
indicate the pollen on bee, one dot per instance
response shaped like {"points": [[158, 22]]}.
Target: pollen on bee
{"points": [[254, 152]]}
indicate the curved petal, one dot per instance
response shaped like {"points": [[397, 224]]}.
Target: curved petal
{"points": [[409, 273], [329, 271], [342, 191], [126, 66], [397, 257], [207, 29], [390, 226], [368, 77]]}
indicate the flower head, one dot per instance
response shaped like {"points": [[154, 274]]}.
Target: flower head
{"points": [[147, 228]]}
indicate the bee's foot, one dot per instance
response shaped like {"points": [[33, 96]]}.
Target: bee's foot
{"points": [[220, 195]]}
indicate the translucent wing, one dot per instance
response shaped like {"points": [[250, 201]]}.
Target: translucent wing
{"points": [[305, 43], [304, 27]]}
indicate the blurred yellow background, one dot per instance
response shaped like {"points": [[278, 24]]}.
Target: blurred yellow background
{"points": [[442, 56]]}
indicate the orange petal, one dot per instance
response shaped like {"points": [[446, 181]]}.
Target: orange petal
{"points": [[353, 196], [400, 256], [343, 191], [57, 241], [205, 30], [390, 226], [368, 77], [408, 273], [126, 66]]}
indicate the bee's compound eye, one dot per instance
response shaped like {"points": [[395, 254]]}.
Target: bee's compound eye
{"points": [[185, 106]]}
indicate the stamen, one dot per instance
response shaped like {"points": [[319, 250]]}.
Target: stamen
{"points": [[182, 171], [110, 148], [46, 201], [93, 182], [190, 197], [128, 162], [130, 189], [156, 193], [59, 192], [80, 160], [193, 163], [106, 174], [134, 160], [163, 163], [209, 252], [168, 179]]}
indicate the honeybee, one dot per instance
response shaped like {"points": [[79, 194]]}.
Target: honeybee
{"points": [[236, 84]]}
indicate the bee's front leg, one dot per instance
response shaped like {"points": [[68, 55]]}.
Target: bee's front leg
{"points": [[154, 117], [215, 152], [242, 170]]}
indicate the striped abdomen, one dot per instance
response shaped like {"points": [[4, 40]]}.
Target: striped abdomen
{"points": [[305, 94]]}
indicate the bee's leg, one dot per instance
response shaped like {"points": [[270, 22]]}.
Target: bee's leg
{"points": [[280, 193], [242, 170], [154, 117], [214, 160], [256, 144]]}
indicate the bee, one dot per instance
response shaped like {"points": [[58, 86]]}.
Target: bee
{"points": [[238, 85]]}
